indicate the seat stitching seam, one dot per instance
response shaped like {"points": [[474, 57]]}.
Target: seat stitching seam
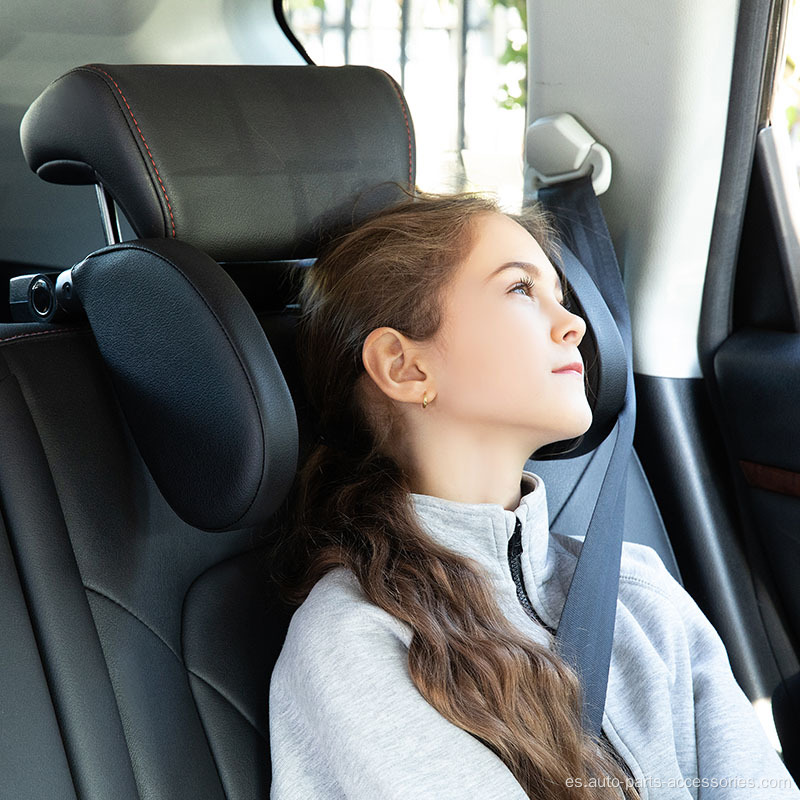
{"points": [[397, 91], [188, 671], [137, 618], [229, 702], [195, 582], [95, 68], [39, 333], [207, 737]]}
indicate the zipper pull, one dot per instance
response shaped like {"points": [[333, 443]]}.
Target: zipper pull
{"points": [[515, 542], [514, 559]]}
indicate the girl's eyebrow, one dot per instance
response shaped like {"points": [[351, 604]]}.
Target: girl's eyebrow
{"points": [[528, 267]]}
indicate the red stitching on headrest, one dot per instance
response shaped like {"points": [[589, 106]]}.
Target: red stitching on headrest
{"points": [[408, 130], [144, 142]]}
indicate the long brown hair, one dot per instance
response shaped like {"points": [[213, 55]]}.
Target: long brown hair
{"points": [[350, 506]]}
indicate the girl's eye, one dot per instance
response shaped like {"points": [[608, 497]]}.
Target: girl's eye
{"points": [[526, 284]]}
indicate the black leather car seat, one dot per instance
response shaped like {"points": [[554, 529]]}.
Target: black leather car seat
{"points": [[140, 631], [147, 450]]}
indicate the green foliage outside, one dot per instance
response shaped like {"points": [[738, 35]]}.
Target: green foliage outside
{"points": [[297, 4], [515, 54]]}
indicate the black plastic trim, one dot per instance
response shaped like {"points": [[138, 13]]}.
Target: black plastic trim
{"points": [[737, 161], [779, 185], [280, 18], [680, 448]]}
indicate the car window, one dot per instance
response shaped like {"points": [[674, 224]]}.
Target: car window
{"points": [[786, 94], [52, 225], [462, 67]]}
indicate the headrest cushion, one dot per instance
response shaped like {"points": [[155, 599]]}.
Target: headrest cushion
{"points": [[202, 392]]}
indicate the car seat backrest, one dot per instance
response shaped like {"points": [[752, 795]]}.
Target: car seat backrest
{"points": [[145, 452]]}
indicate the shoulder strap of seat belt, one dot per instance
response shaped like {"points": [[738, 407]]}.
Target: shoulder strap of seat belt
{"points": [[586, 627]]}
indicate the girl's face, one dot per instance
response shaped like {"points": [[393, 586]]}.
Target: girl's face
{"points": [[502, 343]]}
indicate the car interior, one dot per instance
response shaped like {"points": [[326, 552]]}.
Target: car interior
{"points": [[154, 418]]}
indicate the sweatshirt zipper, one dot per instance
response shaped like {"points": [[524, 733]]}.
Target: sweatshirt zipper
{"points": [[514, 562]]}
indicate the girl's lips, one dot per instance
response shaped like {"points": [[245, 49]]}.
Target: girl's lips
{"points": [[575, 368]]}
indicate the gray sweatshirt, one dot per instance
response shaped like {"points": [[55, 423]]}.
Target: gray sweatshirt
{"points": [[346, 720]]}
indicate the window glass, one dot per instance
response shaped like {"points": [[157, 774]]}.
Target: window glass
{"points": [[786, 99], [51, 225], [462, 66]]}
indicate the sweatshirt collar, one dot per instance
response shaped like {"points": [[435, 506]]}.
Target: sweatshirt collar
{"points": [[481, 530]]}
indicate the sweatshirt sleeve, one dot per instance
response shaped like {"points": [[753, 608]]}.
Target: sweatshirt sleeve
{"points": [[735, 760], [346, 720]]}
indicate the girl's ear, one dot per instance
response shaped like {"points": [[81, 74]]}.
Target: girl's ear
{"points": [[391, 361]]}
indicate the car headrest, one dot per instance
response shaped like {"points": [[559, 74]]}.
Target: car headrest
{"points": [[196, 378], [246, 163]]}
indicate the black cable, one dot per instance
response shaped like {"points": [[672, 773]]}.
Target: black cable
{"points": [[277, 10]]}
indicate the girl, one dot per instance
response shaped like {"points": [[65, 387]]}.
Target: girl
{"points": [[439, 352]]}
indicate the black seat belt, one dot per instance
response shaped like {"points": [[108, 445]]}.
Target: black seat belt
{"points": [[586, 628]]}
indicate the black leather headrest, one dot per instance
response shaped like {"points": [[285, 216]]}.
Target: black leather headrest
{"points": [[247, 163], [196, 378]]}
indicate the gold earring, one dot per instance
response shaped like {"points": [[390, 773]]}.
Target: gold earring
{"points": [[425, 400]]}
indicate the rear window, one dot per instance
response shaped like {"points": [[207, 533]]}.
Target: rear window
{"points": [[462, 67]]}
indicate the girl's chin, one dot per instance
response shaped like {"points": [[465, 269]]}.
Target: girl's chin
{"points": [[587, 422], [580, 427]]}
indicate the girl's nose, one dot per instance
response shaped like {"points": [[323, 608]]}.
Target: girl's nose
{"points": [[569, 327]]}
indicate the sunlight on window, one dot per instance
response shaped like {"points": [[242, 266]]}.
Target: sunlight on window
{"points": [[463, 69], [786, 101]]}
